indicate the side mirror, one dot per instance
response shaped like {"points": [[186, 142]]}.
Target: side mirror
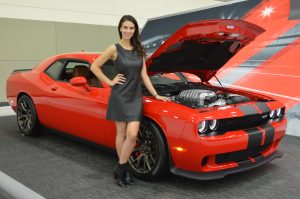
{"points": [[78, 81]]}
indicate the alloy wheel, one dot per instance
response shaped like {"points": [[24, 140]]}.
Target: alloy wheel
{"points": [[24, 116], [145, 155]]}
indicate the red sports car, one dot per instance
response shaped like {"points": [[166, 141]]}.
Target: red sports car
{"points": [[205, 132]]}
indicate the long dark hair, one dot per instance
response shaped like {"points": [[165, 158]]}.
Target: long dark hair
{"points": [[135, 39]]}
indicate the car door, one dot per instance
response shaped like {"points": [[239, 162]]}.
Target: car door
{"points": [[75, 109]]}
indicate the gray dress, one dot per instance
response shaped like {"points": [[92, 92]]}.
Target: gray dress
{"points": [[125, 101]]}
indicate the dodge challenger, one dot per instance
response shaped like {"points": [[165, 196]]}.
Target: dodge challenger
{"points": [[205, 132]]}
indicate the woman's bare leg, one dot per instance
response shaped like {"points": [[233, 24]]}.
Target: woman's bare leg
{"points": [[130, 141], [120, 136]]}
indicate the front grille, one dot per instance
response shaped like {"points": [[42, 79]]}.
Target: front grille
{"points": [[240, 156], [244, 122]]}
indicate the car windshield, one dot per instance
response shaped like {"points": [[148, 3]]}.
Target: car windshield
{"points": [[173, 78]]}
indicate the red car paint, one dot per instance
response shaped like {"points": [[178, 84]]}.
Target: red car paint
{"points": [[80, 111]]}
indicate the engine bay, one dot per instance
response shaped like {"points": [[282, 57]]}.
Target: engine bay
{"points": [[197, 95]]}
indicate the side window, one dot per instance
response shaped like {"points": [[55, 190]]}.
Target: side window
{"points": [[55, 69], [77, 69], [82, 69]]}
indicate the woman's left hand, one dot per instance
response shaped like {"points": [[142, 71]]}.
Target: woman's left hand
{"points": [[162, 98]]}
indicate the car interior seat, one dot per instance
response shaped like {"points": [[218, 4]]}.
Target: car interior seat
{"points": [[84, 71]]}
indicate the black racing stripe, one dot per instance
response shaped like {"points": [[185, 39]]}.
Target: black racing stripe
{"points": [[263, 107], [269, 135], [255, 137], [248, 110], [294, 10]]}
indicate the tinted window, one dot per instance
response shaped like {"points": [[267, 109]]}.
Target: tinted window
{"points": [[76, 69], [65, 70], [171, 78], [67, 74], [55, 69]]}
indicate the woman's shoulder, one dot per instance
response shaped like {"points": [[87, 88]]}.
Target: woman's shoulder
{"points": [[112, 47], [111, 51]]}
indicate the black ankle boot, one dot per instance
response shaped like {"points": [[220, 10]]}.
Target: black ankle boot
{"points": [[128, 176], [119, 175]]}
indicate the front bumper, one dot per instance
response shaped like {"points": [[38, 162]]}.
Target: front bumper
{"points": [[243, 166], [230, 151]]}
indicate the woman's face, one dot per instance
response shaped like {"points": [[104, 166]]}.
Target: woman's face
{"points": [[127, 29]]}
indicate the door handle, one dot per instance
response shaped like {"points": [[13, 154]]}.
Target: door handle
{"points": [[54, 88]]}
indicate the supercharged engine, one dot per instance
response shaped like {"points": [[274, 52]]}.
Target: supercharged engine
{"points": [[199, 98]]}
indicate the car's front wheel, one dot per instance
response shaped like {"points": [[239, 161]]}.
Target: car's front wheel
{"points": [[27, 117], [149, 158]]}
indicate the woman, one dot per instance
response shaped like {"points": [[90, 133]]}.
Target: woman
{"points": [[125, 102]]}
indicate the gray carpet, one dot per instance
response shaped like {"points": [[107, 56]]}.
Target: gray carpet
{"points": [[5, 195], [59, 167]]}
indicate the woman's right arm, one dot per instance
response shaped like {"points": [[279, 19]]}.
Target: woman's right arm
{"points": [[109, 53]]}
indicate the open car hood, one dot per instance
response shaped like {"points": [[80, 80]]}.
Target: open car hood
{"points": [[202, 47]]}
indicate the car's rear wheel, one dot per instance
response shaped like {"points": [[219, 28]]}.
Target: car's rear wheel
{"points": [[149, 158], [27, 117]]}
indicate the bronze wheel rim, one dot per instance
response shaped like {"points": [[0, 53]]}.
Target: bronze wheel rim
{"points": [[24, 115], [145, 155]]}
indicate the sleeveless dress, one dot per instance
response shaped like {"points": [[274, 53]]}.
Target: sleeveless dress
{"points": [[125, 100]]}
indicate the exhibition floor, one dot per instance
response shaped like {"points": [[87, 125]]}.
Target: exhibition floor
{"points": [[55, 166]]}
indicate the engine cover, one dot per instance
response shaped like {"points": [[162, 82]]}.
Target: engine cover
{"points": [[196, 95], [198, 98]]}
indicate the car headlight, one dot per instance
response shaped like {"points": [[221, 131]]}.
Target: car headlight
{"points": [[202, 127], [213, 124], [272, 114], [279, 112]]}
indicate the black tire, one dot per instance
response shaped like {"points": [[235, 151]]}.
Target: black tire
{"points": [[27, 118], [149, 159]]}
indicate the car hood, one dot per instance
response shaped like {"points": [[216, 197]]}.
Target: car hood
{"points": [[202, 47]]}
